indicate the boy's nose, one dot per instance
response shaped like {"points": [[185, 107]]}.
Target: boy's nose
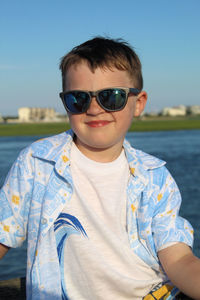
{"points": [[94, 107]]}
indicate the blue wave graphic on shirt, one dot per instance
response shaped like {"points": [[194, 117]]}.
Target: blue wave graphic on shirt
{"points": [[64, 226]]}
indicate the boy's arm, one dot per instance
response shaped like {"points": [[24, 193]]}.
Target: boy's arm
{"points": [[3, 250], [182, 268]]}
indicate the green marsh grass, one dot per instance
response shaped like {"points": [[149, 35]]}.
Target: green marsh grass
{"points": [[163, 124], [148, 124], [31, 129]]}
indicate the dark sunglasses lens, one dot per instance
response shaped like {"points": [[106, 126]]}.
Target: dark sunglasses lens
{"points": [[77, 102], [112, 99]]}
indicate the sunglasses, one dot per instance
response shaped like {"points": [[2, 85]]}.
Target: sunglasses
{"points": [[110, 99]]}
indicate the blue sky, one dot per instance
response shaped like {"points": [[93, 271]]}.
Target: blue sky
{"points": [[34, 35]]}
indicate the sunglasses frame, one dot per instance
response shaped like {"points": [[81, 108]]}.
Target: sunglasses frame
{"points": [[95, 94]]}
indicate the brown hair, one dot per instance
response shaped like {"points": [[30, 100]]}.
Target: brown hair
{"points": [[105, 53]]}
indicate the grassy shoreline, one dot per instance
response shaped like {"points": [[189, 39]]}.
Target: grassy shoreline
{"points": [[149, 124]]}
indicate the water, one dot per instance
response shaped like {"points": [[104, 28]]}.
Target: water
{"points": [[181, 150]]}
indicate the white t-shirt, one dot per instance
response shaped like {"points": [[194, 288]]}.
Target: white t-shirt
{"points": [[96, 259]]}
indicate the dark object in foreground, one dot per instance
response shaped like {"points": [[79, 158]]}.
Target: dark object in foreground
{"points": [[13, 289], [182, 296]]}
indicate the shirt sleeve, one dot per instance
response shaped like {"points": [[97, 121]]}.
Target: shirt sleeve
{"points": [[15, 198], [167, 225]]}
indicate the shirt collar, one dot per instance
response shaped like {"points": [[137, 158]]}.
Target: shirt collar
{"points": [[140, 162], [53, 148]]}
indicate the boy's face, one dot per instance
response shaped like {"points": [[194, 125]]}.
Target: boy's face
{"points": [[100, 134]]}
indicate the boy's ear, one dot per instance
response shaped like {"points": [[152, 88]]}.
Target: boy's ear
{"points": [[140, 103]]}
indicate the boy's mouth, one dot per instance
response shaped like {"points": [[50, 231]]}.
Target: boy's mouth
{"points": [[99, 123]]}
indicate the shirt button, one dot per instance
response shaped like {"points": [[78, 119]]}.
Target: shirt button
{"points": [[44, 221]]}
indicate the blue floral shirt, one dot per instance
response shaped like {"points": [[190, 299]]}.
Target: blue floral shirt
{"points": [[39, 185]]}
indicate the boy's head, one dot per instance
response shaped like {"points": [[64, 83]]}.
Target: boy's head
{"points": [[105, 53], [102, 85]]}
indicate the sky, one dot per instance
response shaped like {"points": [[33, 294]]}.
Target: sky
{"points": [[34, 35]]}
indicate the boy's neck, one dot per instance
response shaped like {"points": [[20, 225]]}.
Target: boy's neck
{"points": [[100, 155]]}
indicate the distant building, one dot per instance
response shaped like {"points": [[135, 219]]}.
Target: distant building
{"points": [[1, 119], [36, 114], [194, 110], [180, 110]]}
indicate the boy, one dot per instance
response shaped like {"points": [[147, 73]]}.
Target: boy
{"points": [[101, 218]]}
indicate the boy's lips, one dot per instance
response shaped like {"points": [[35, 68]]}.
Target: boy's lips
{"points": [[98, 123]]}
